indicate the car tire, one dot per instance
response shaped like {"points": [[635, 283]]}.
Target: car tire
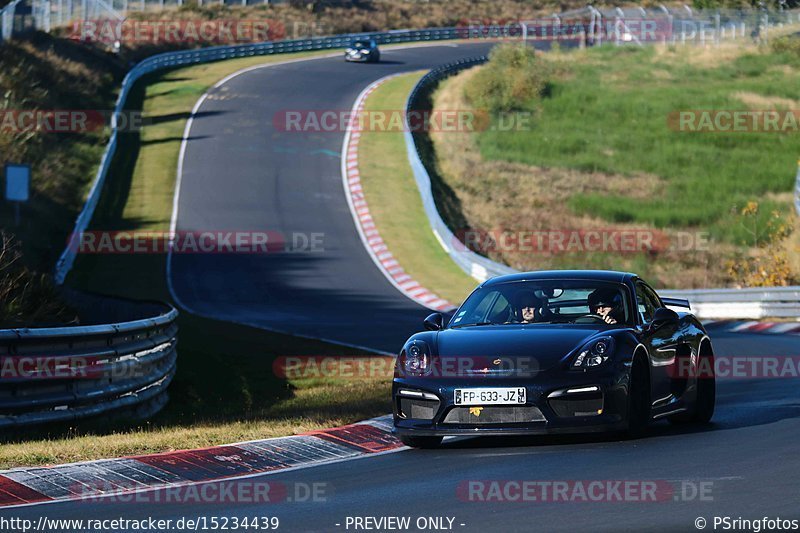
{"points": [[639, 411], [706, 399], [420, 442]]}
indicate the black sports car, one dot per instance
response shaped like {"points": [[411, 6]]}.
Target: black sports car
{"points": [[554, 352], [364, 50]]}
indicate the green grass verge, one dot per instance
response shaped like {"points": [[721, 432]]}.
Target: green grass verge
{"points": [[395, 203], [607, 112]]}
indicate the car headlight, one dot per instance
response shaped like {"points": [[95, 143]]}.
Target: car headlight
{"points": [[415, 359], [594, 353]]}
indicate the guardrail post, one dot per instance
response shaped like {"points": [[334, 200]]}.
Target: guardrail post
{"points": [[47, 17]]}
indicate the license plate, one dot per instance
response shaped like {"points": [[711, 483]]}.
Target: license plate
{"points": [[493, 396]]}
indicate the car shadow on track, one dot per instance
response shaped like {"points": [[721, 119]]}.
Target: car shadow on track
{"points": [[727, 418]]}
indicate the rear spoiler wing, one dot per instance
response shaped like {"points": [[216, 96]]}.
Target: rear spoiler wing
{"points": [[676, 302]]}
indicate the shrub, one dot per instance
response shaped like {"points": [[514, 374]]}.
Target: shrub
{"points": [[786, 45], [28, 298], [511, 79]]}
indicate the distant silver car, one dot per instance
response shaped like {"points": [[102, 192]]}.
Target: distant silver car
{"points": [[363, 50]]}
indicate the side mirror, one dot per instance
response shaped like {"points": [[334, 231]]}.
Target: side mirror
{"points": [[663, 317], [433, 322]]}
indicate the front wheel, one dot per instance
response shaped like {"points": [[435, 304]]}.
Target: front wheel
{"points": [[638, 399], [420, 442], [706, 399]]}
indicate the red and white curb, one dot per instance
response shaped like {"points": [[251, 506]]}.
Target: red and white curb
{"points": [[779, 328], [370, 236], [755, 326], [91, 480]]}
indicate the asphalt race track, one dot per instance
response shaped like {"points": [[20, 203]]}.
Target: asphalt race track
{"points": [[241, 173], [747, 463]]}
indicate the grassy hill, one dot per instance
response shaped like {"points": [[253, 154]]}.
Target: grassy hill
{"points": [[599, 152]]}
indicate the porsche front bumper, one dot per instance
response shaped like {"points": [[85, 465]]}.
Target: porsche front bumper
{"points": [[556, 402]]}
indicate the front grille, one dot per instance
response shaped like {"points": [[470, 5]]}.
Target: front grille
{"points": [[418, 409], [494, 414]]}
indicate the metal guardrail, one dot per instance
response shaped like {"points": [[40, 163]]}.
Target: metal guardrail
{"points": [[477, 266], [777, 302], [638, 25], [218, 53], [7, 20], [65, 373], [768, 302]]}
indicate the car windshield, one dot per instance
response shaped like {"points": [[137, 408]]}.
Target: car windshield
{"points": [[545, 301], [360, 44]]}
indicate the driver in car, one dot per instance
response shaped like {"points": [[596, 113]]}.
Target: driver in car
{"points": [[607, 304], [530, 307]]}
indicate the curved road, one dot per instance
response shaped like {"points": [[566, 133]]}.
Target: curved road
{"points": [[746, 462], [241, 173]]}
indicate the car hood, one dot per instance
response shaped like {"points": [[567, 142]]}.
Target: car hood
{"points": [[543, 346]]}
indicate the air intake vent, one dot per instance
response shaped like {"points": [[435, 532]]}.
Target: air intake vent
{"points": [[418, 409], [578, 405], [494, 414]]}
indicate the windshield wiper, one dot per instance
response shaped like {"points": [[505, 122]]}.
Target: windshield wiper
{"points": [[485, 323]]}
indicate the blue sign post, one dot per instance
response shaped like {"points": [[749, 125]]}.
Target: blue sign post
{"points": [[18, 184]]}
